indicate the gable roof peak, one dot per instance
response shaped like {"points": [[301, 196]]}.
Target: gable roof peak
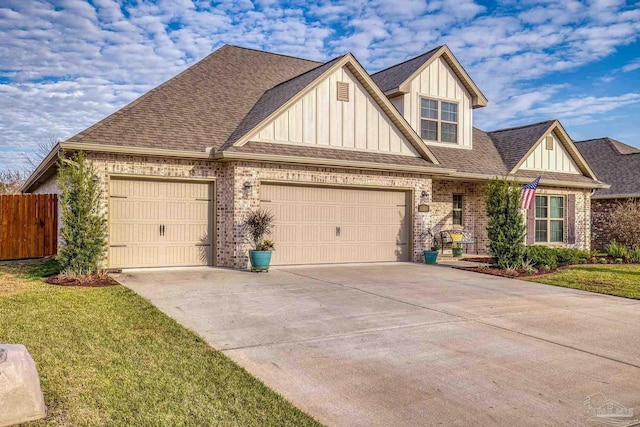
{"points": [[397, 78], [544, 122]]}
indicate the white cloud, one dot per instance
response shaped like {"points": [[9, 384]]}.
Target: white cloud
{"points": [[64, 66]]}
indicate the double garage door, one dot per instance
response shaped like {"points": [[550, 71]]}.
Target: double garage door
{"points": [[159, 223], [332, 225], [169, 223]]}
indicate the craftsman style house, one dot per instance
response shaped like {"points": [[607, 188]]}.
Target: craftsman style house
{"points": [[355, 167]]}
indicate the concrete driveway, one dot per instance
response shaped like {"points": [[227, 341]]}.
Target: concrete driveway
{"points": [[410, 344]]}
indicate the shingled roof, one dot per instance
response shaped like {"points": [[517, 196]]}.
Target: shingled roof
{"points": [[390, 78], [200, 107], [615, 163], [276, 97], [513, 143]]}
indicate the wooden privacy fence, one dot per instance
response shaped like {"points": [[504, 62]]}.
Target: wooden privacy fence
{"points": [[28, 226]]}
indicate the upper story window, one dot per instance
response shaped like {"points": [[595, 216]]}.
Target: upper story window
{"points": [[438, 120]]}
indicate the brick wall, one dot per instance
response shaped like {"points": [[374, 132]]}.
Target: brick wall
{"points": [[234, 199], [474, 210], [475, 220]]}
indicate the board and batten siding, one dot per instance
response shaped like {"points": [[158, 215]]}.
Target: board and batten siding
{"points": [[438, 81], [318, 119], [556, 160]]}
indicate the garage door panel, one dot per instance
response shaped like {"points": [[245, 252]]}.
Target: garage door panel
{"points": [[138, 209], [372, 224]]}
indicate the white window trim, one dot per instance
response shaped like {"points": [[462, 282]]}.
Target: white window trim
{"points": [[549, 219], [439, 121]]}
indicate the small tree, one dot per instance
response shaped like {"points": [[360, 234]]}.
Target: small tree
{"points": [[506, 228], [84, 226], [624, 223], [11, 181]]}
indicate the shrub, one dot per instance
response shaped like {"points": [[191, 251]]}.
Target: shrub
{"points": [[624, 226], [635, 255], [617, 250], [506, 229], [542, 256], [602, 261], [619, 260], [84, 226], [570, 255]]}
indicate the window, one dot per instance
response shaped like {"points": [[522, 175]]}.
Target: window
{"points": [[457, 209], [549, 219], [438, 120]]}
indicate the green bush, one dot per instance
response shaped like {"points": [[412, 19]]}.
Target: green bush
{"points": [[506, 228], [617, 250], [84, 225], [542, 255], [635, 255], [570, 255], [602, 261]]}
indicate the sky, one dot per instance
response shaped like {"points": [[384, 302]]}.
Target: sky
{"points": [[66, 64]]}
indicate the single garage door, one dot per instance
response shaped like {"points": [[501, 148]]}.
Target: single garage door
{"points": [[159, 223], [331, 225]]}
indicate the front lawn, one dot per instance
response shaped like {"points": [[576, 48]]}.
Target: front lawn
{"points": [[622, 281], [107, 357]]}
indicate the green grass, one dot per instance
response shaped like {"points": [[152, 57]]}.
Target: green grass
{"points": [[622, 281], [108, 357]]}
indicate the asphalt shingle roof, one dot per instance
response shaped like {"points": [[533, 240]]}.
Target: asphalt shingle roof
{"points": [[330, 153], [200, 107], [276, 97], [615, 163], [390, 78], [513, 143]]}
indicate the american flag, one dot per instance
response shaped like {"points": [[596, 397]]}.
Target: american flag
{"points": [[529, 193]]}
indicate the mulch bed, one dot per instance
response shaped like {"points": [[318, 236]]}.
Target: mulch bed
{"points": [[90, 281], [511, 274], [486, 260]]}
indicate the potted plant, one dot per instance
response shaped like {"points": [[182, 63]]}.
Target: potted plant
{"points": [[257, 225], [431, 256], [456, 247]]}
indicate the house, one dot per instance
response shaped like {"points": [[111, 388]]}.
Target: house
{"points": [[355, 167], [618, 165]]}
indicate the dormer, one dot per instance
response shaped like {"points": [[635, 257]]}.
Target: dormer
{"points": [[435, 95]]}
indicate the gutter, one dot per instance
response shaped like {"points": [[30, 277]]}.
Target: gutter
{"points": [[618, 196], [543, 181], [229, 156]]}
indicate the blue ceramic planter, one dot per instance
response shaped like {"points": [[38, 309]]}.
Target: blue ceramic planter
{"points": [[260, 260], [430, 257]]}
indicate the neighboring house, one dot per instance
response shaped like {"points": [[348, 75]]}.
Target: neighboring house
{"points": [[618, 165], [355, 167]]}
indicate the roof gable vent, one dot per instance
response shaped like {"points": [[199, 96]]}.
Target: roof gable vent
{"points": [[343, 91], [549, 142]]}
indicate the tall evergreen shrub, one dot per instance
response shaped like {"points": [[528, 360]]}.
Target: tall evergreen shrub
{"points": [[84, 226], [506, 228]]}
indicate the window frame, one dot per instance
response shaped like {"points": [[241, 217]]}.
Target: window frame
{"points": [[439, 121], [548, 219], [454, 209]]}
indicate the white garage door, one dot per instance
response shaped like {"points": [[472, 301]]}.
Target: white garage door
{"points": [[331, 225], [159, 223]]}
